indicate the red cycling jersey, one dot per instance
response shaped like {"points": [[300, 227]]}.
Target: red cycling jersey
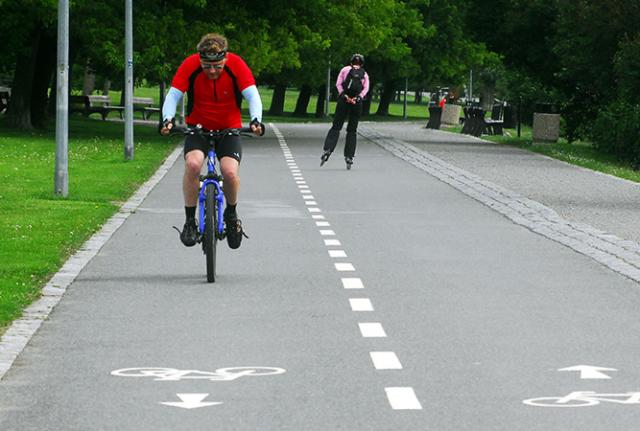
{"points": [[213, 101]]}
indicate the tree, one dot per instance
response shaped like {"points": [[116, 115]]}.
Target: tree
{"points": [[31, 26]]}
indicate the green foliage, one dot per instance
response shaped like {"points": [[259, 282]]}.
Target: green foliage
{"points": [[617, 131], [627, 70]]}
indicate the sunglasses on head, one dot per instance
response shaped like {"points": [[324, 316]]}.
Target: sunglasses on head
{"points": [[212, 66]]}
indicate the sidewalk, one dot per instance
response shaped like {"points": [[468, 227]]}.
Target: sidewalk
{"points": [[593, 213]]}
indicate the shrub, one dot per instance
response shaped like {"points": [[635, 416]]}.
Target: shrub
{"points": [[616, 130]]}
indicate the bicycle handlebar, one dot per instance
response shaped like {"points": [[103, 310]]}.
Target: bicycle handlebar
{"points": [[179, 130]]}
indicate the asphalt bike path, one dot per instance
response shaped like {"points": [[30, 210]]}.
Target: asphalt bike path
{"points": [[376, 298]]}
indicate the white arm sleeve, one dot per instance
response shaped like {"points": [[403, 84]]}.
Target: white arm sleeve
{"points": [[255, 103], [171, 101]]}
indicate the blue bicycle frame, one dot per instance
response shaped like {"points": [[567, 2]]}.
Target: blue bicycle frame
{"points": [[211, 172]]}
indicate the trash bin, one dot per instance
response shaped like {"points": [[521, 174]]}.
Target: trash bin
{"points": [[510, 117], [546, 127], [451, 114], [435, 115]]}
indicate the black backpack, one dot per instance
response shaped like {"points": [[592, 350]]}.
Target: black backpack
{"points": [[353, 82]]}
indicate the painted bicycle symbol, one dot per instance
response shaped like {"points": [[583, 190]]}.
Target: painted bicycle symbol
{"points": [[584, 399], [174, 375]]}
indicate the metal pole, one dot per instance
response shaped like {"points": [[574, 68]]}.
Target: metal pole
{"points": [[162, 88], [519, 114], [471, 85], [404, 108], [61, 176], [128, 79], [328, 92]]}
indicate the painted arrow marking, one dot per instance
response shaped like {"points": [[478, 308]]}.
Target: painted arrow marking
{"points": [[589, 371], [190, 401]]}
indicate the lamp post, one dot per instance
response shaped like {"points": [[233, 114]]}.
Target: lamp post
{"points": [[61, 176], [128, 79]]}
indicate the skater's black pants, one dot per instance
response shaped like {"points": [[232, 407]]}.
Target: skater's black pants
{"points": [[344, 110]]}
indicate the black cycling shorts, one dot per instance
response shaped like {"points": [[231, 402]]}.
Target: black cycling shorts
{"points": [[225, 146]]}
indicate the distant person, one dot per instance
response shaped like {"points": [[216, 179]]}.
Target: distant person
{"points": [[215, 80], [352, 85]]}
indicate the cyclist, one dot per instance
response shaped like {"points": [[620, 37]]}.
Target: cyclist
{"points": [[215, 81], [352, 85]]}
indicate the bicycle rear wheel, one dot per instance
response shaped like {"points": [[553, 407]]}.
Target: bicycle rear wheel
{"points": [[210, 227]]}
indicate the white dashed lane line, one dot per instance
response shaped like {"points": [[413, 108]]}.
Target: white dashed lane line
{"points": [[337, 253], [344, 267], [385, 361], [372, 330], [400, 398], [360, 304], [403, 398], [352, 283]]}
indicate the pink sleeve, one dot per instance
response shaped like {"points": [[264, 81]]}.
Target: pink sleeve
{"points": [[341, 77], [365, 85]]}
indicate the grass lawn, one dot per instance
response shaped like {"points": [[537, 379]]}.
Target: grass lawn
{"points": [[39, 230], [414, 111]]}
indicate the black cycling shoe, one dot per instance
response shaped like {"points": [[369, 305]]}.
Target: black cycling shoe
{"points": [[234, 232], [324, 157], [189, 234], [349, 162]]}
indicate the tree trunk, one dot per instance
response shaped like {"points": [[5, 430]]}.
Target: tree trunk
{"points": [[46, 61], [322, 95], [366, 106], [89, 80], [106, 87], [486, 98], [418, 98], [388, 92], [277, 102], [303, 101], [19, 110]]}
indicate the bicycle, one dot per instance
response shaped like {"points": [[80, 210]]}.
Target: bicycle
{"points": [[211, 227]]}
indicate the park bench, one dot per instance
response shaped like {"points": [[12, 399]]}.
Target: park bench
{"points": [[145, 106], [495, 124], [5, 95], [88, 105], [476, 124]]}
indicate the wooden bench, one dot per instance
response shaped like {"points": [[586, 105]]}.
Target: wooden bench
{"points": [[495, 124], [88, 105], [145, 106]]}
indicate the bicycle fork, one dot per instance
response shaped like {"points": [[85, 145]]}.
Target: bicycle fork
{"points": [[219, 196]]}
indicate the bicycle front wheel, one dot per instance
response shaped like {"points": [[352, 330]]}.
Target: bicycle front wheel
{"points": [[210, 226]]}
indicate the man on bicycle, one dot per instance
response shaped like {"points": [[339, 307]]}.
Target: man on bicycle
{"points": [[215, 81]]}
